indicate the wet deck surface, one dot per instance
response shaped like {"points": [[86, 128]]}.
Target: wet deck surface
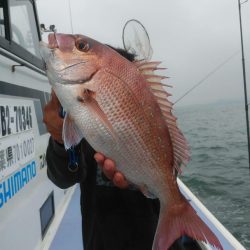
{"points": [[69, 234]]}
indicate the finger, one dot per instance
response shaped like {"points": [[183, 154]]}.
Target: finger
{"points": [[109, 168], [120, 181], [99, 158]]}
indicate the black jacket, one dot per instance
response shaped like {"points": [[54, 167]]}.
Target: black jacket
{"points": [[113, 219]]}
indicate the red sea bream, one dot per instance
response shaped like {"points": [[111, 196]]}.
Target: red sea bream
{"points": [[123, 111]]}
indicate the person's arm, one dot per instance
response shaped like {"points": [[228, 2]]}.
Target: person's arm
{"points": [[57, 157]]}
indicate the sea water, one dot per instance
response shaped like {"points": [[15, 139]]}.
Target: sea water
{"points": [[218, 173]]}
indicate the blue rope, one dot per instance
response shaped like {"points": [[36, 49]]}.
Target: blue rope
{"points": [[73, 158]]}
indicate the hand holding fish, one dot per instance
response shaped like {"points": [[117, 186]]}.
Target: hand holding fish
{"points": [[52, 119], [109, 169], [54, 124]]}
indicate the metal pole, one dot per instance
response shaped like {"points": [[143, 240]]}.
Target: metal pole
{"points": [[244, 81]]}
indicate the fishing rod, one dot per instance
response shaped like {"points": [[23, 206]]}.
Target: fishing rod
{"points": [[244, 79], [207, 76], [240, 3]]}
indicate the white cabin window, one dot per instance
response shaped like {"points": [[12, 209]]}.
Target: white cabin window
{"points": [[2, 28], [23, 27]]}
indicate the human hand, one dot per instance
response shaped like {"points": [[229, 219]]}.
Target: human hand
{"points": [[109, 169], [52, 119]]}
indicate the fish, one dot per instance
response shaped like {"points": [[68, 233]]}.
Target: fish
{"points": [[123, 110]]}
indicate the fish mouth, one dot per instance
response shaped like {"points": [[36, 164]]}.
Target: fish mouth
{"points": [[56, 75], [56, 69], [53, 43], [47, 49]]}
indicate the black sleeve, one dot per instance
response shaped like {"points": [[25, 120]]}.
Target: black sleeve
{"points": [[57, 166]]}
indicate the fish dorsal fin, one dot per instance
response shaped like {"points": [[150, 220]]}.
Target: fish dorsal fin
{"points": [[180, 145]]}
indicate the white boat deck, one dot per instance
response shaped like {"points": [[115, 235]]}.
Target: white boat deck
{"points": [[69, 236], [69, 233]]}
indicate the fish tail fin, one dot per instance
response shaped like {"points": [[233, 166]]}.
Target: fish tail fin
{"points": [[181, 220]]}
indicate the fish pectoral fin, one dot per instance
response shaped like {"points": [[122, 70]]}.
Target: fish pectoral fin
{"points": [[89, 101], [71, 133]]}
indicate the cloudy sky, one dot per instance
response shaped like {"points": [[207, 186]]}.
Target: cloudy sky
{"points": [[191, 38]]}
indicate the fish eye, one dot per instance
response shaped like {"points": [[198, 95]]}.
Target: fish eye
{"points": [[82, 45]]}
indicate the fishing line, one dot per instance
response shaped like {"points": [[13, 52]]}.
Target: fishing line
{"points": [[70, 17], [208, 75]]}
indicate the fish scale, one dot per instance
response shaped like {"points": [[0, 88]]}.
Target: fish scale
{"points": [[97, 134], [133, 131]]}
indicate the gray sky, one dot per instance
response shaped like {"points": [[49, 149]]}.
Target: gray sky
{"points": [[190, 37]]}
